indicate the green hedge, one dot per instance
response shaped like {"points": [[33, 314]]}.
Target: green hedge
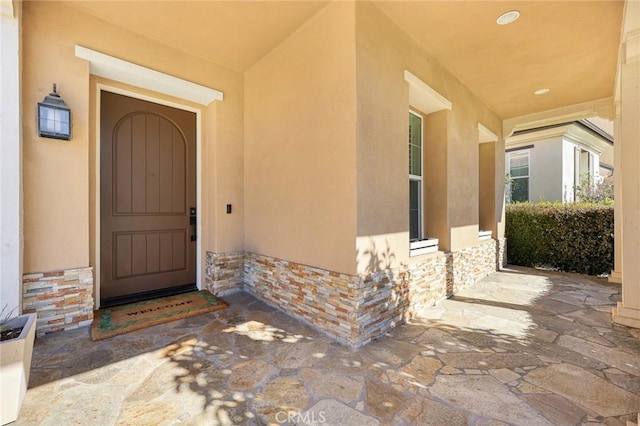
{"points": [[569, 237]]}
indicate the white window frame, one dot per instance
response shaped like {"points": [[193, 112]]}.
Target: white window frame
{"points": [[419, 178], [422, 245], [427, 101], [528, 176]]}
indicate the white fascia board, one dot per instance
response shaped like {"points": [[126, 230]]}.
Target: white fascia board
{"points": [[569, 132], [540, 135], [117, 69], [632, 47], [599, 107], [485, 135], [587, 140], [7, 9], [423, 97]]}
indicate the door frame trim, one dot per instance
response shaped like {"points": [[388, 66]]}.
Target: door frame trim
{"points": [[198, 112]]}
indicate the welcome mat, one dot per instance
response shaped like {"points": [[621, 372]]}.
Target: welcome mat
{"points": [[123, 319]]}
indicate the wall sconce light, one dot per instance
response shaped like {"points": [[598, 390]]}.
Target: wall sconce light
{"points": [[54, 117]]}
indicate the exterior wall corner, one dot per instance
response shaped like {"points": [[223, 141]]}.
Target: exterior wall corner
{"points": [[224, 272]]}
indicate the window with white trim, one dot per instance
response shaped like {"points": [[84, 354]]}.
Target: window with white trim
{"points": [[519, 162], [415, 176]]}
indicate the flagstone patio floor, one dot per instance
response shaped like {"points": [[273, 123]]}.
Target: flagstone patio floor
{"points": [[521, 347]]}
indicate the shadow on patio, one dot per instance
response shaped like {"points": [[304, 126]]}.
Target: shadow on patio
{"points": [[521, 346]]}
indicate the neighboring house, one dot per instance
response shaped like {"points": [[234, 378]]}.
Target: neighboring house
{"points": [[342, 161], [549, 163]]}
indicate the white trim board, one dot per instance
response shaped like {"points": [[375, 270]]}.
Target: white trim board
{"points": [[423, 97], [11, 158], [599, 107], [485, 135], [117, 69]]}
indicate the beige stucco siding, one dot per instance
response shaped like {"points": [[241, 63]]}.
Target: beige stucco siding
{"points": [[546, 168], [309, 146], [300, 187], [58, 191], [487, 190], [384, 51], [382, 153]]}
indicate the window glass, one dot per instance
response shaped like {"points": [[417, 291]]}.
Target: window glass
{"points": [[415, 176], [414, 209], [519, 173], [520, 190], [415, 144], [519, 163]]}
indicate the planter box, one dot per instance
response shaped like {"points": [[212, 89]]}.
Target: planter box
{"points": [[15, 365]]}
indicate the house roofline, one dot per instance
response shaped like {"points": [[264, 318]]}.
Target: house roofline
{"points": [[584, 124]]}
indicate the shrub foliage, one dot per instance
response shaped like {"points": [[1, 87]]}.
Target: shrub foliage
{"points": [[570, 237]]}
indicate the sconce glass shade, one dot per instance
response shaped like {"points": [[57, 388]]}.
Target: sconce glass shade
{"points": [[54, 117]]}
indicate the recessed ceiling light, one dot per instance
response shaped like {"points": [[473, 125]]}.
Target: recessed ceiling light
{"points": [[542, 91], [508, 17]]}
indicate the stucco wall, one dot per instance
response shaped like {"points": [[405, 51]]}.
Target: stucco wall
{"points": [[435, 183], [545, 169], [607, 155], [58, 196], [300, 162], [488, 205], [324, 170], [384, 51], [568, 171]]}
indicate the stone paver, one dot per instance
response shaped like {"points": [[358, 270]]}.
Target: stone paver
{"points": [[419, 373], [332, 385], [504, 375], [384, 402], [281, 397], [489, 360], [556, 409], [333, 413], [423, 411], [520, 347], [391, 352], [614, 357], [592, 392], [300, 355], [488, 397]]}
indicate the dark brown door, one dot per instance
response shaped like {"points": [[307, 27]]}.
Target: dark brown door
{"points": [[147, 187]]}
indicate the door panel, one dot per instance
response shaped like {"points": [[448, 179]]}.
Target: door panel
{"points": [[147, 186]]}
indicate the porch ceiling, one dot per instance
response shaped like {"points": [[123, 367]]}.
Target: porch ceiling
{"points": [[569, 47], [234, 34]]}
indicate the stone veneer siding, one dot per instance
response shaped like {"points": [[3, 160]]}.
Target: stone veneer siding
{"points": [[469, 265], [353, 309], [501, 253], [428, 282], [224, 272], [63, 300], [383, 303], [322, 298]]}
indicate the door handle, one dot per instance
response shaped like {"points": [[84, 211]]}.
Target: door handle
{"points": [[193, 222]]}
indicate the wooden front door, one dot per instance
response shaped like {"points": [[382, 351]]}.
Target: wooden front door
{"points": [[147, 188]]}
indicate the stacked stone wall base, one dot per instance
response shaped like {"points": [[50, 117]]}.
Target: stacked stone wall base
{"points": [[62, 299], [354, 309]]}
